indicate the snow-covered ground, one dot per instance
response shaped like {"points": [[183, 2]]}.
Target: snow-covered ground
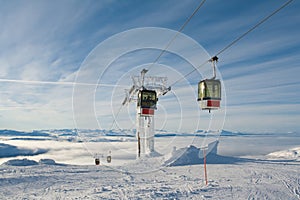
{"points": [[58, 165], [245, 180]]}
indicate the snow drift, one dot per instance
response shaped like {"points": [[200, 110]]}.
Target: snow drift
{"points": [[192, 155], [20, 162], [290, 154], [27, 162]]}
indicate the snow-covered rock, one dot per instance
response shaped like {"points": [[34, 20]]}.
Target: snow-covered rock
{"points": [[20, 162], [47, 162], [27, 162]]}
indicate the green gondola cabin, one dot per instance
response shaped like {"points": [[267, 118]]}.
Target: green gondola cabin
{"points": [[147, 100], [209, 94]]}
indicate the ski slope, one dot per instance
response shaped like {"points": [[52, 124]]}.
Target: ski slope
{"points": [[247, 180], [47, 172]]}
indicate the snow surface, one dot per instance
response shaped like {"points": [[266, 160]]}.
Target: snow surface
{"points": [[246, 180], [66, 170]]}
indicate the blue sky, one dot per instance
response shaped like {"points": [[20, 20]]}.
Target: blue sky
{"points": [[44, 43]]}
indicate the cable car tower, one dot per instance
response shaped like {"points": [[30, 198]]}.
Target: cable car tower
{"points": [[209, 90], [145, 91]]}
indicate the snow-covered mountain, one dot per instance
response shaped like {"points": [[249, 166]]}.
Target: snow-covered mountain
{"points": [[61, 134]]}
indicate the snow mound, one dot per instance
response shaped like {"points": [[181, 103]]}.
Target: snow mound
{"points": [[20, 162], [47, 162], [153, 154], [27, 162], [184, 156], [290, 154], [192, 155]]}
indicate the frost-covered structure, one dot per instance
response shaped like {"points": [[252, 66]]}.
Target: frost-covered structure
{"points": [[153, 87]]}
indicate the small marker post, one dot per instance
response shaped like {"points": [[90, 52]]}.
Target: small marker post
{"points": [[139, 145], [204, 162]]}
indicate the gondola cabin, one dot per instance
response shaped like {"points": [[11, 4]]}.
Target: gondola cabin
{"points": [[209, 94], [97, 161], [147, 100], [108, 159]]}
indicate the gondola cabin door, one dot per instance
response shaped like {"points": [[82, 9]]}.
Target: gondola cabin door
{"points": [[147, 102], [209, 94]]}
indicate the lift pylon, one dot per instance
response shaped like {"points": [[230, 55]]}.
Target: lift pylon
{"points": [[145, 91]]}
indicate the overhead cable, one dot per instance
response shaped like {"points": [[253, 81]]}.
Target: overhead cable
{"points": [[236, 40]]}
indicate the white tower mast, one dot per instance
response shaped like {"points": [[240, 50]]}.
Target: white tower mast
{"points": [[146, 90]]}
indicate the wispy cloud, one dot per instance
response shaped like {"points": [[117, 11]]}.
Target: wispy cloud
{"points": [[48, 42]]}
